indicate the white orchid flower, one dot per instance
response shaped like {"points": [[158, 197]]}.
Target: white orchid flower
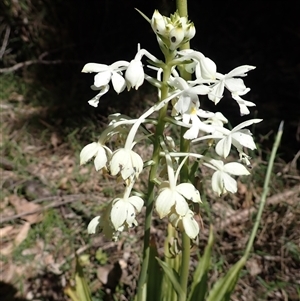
{"points": [[118, 215], [102, 224], [234, 85], [95, 149], [205, 69], [221, 180], [175, 196], [105, 74], [185, 223], [243, 104], [197, 125], [238, 136], [126, 162], [172, 196], [218, 119], [134, 74], [189, 95], [123, 211]]}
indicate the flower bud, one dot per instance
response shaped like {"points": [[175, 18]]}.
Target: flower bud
{"points": [[176, 37], [134, 74], [190, 31], [158, 23]]}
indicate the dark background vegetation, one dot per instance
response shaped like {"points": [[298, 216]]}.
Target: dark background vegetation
{"points": [[265, 34]]}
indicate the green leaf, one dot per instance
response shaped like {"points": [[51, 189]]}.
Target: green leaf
{"points": [[223, 288], [173, 277], [199, 284], [154, 283], [81, 292]]}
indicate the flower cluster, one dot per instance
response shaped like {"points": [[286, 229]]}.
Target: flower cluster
{"points": [[173, 199], [172, 32]]}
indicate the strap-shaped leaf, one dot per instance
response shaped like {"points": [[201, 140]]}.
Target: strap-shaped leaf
{"points": [[223, 288], [154, 282], [81, 292], [173, 277], [199, 284]]}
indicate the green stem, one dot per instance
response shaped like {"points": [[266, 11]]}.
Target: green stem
{"points": [[182, 7], [184, 174], [186, 247], [141, 290], [265, 190]]}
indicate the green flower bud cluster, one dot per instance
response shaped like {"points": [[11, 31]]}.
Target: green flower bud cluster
{"points": [[172, 32]]}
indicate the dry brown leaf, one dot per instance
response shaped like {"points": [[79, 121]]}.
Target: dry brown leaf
{"points": [[14, 96], [6, 231], [22, 235], [22, 205], [253, 267], [6, 248], [63, 183], [8, 272], [55, 140]]}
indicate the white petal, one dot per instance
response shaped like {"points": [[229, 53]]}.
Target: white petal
{"points": [[118, 82], [174, 219], [93, 67], [205, 114], [207, 128], [120, 158], [137, 162], [93, 224], [240, 71], [130, 220], [216, 92], [235, 84], [229, 183], [183, 103], [244, 138], [100, 159], [216, 164], [118, 213], [95, 100], [190, 225], [245, 123], [223, 147], [236, 169], [181, 206], [189, 191], [88, 152], [164, 202], [102, 78], [217, 183], [191, 133], [208, 68], [137, 202], [200, 89], [134, 74], [243, 109]]}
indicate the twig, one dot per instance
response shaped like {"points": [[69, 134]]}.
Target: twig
{"points": [[5, 41], [60, 201], [27, 63], [243, 215]]}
